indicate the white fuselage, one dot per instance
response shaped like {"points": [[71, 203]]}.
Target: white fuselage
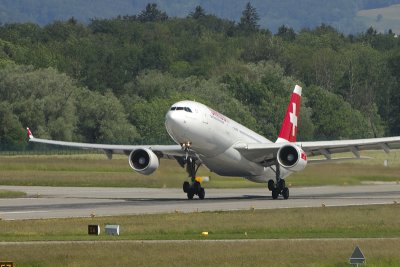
{"points": [[212, 137]]}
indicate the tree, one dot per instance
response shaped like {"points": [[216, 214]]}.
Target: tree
{"points": [[102, 119], [286, 33], [12, 134], [249, 19], [198, 12], [152, 13]]}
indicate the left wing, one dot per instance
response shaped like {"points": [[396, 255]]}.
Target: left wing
{"points": [[266, 152], [327, 148], [166, 151]]}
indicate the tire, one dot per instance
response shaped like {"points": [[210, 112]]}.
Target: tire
{"points": [[186, 186], [190, 194], [285, 193], [281, 184], [271, 185], [202, 193], [275, 193], [196, 187]]}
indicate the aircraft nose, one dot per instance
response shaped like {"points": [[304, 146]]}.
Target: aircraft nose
{"points": [[172, 119], [175, 124]]}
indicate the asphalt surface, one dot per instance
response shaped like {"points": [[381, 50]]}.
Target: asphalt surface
{"points": [[64, 202]]}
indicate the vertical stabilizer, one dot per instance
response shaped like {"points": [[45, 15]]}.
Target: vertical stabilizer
{"points": [[288, 131]]}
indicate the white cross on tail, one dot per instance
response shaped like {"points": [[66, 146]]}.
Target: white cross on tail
{"points": [[293, 119]]}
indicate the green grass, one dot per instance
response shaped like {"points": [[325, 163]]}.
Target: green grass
{"points": [[283, 237], [11, 194], [96, 171], [195, 253], [389, 18], [327, 222]]}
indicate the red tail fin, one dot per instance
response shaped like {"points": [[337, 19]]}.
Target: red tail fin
{"points": [[288, 131]]}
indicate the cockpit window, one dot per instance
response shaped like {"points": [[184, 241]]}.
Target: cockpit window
{"points": [[182, 108]]}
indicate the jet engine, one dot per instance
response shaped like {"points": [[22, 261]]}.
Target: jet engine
{"points": [[292, 158], [144, 161]]}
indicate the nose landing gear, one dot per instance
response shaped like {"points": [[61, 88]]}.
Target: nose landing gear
{"points": [[193, 188]]}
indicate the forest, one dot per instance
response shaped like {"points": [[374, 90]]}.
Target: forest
{"points": [[112, 80]]}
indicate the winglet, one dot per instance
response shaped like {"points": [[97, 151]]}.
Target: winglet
{"points": [[30, 135], [288, 131]]}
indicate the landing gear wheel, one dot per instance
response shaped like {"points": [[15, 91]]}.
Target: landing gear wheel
{"points": [[196, 187], [271, 185], [275, 193], [281, 184], [202, 193], [190, 193], [186, 186], [285, 193]]}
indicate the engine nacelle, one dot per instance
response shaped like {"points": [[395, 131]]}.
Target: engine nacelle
{"points": [[292, 158], [144, 161]]}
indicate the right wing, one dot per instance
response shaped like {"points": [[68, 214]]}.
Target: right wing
{"points": [[267, 153], [165, 151]]}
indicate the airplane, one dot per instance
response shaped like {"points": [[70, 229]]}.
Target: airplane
{"points": [[227, 148]]}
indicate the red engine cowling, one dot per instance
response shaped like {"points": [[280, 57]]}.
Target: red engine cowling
{"points": [[144, 161], [292, 158]]}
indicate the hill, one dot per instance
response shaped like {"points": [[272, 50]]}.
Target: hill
{"points": [[381, 19], [296, 14]]}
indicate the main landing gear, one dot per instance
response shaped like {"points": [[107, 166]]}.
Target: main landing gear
{"points": [[278, 188], [193, 188]]}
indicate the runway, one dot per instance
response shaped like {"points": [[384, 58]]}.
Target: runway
{"points": [[64, 202]]}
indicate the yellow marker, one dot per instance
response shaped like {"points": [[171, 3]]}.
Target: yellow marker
{"points": [[202, 179], [204, 233]]}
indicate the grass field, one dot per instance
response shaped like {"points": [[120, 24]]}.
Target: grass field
{"points": [[332, 222], [197, 253], [283, 237], [96, 170], [381, 19]]}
